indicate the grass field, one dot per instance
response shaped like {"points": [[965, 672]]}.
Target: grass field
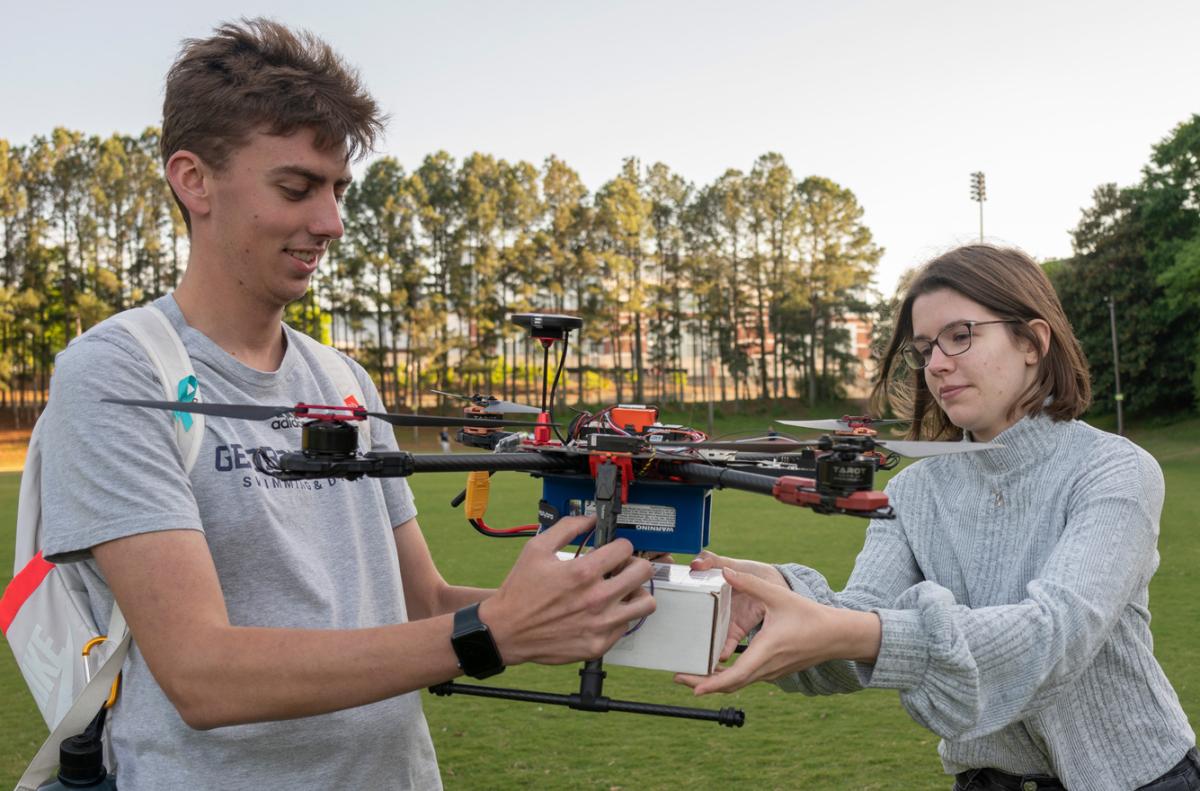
{"points": [[862, 741]]}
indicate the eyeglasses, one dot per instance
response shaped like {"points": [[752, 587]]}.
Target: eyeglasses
{"points": [[952, 340]]}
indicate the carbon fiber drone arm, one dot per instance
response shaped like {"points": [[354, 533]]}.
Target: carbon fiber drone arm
{"points": [[793, 491]]}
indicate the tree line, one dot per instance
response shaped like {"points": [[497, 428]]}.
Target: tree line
{"points": [[87, 227], [1139, 246], [747, 277]]}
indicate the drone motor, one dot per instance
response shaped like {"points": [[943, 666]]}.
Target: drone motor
{"points": [[845, 473], [329, 439], [848, 464]]}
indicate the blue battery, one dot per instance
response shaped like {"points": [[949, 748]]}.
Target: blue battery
{"points": [[661, 516]]}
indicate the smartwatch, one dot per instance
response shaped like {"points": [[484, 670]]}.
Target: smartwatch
{"points": [[473, 644]]}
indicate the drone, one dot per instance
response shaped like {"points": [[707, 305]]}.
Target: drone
{"points": [[648, 482]]}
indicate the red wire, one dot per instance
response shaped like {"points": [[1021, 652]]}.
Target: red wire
{"points": [[510, 532]]}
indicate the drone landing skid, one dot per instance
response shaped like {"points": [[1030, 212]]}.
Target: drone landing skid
{"points": [[590, 698]]}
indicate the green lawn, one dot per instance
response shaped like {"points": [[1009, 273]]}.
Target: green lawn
{"points": [[862, 741]]}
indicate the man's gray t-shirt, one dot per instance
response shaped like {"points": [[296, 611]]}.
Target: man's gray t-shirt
{"points": [[306, 554]]}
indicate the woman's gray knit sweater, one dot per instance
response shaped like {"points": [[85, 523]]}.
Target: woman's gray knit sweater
{"points": [[1012, 588]]}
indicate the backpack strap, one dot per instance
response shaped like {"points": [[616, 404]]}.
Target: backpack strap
{"points": [[157, 336], [154, 331], [337, 369], [83, 710]]}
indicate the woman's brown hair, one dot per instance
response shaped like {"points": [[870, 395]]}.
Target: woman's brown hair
{"points": [[1010, 284]]}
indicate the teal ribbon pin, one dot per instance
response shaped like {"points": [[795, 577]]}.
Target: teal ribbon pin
{"points": [[188, 387]]}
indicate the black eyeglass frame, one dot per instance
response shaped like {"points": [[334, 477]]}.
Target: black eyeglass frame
{"points": [[910, 348]]}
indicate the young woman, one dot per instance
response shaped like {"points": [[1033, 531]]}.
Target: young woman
{"points": [[1007, 602]]}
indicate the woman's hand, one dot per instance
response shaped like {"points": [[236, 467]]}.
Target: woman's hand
{"points": [[747, 611], [797, 634]]}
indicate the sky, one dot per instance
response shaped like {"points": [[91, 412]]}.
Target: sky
{"points": [[898, 101]]}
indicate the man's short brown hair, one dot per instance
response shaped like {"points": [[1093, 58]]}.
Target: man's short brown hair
{"points": [[1010, 284], [260, 76]]}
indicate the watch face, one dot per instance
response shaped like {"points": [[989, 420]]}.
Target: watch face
{"points": [[474, 646], [476, 651]]}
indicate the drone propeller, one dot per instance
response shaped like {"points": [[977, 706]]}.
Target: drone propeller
{"points": [[916, 449], [913, 449], [493, 404], [239, 411], [261, 412], [844, 423], [761, 445], [433, 420]]}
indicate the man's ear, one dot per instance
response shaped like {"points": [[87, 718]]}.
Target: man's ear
{"points": [[1041, 329], [191, 179]]}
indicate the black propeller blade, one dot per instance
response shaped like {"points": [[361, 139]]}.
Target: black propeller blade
{"points": [[764, 445], [258, 412], [239, 411], [434, 420], [493, 404], [913, 449]]}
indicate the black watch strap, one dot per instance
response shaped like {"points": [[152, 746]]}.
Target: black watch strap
{"points": [[473, 644]]}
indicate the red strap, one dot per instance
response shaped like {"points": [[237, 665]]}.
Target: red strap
{"points": [[21, 588]]}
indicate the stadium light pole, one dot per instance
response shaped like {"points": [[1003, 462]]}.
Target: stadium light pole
{"points": [[1120, 397], [979, 194]]}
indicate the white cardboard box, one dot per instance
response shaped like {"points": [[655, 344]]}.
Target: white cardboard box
{"points": [[686, 631]]}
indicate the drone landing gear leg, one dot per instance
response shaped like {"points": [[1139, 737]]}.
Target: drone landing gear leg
{"points": [[590, 699], [591, 676]]}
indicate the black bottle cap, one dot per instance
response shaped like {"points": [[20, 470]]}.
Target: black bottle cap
{"points": [[81, 761]]}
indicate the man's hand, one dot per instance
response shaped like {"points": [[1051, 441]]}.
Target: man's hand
{"points": [[797, 634], [557, 611], [747, 612]]}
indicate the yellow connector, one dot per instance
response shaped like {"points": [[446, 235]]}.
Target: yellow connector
{"points": [[479, 484]]}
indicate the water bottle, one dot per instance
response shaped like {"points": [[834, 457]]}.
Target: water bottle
{"points": [[81, 765]]}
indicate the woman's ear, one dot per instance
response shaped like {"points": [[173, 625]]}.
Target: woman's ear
{"points": [[191, 179], [1041, 330]]}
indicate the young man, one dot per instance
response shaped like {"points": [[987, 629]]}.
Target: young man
{"points": [[280, 633]]}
